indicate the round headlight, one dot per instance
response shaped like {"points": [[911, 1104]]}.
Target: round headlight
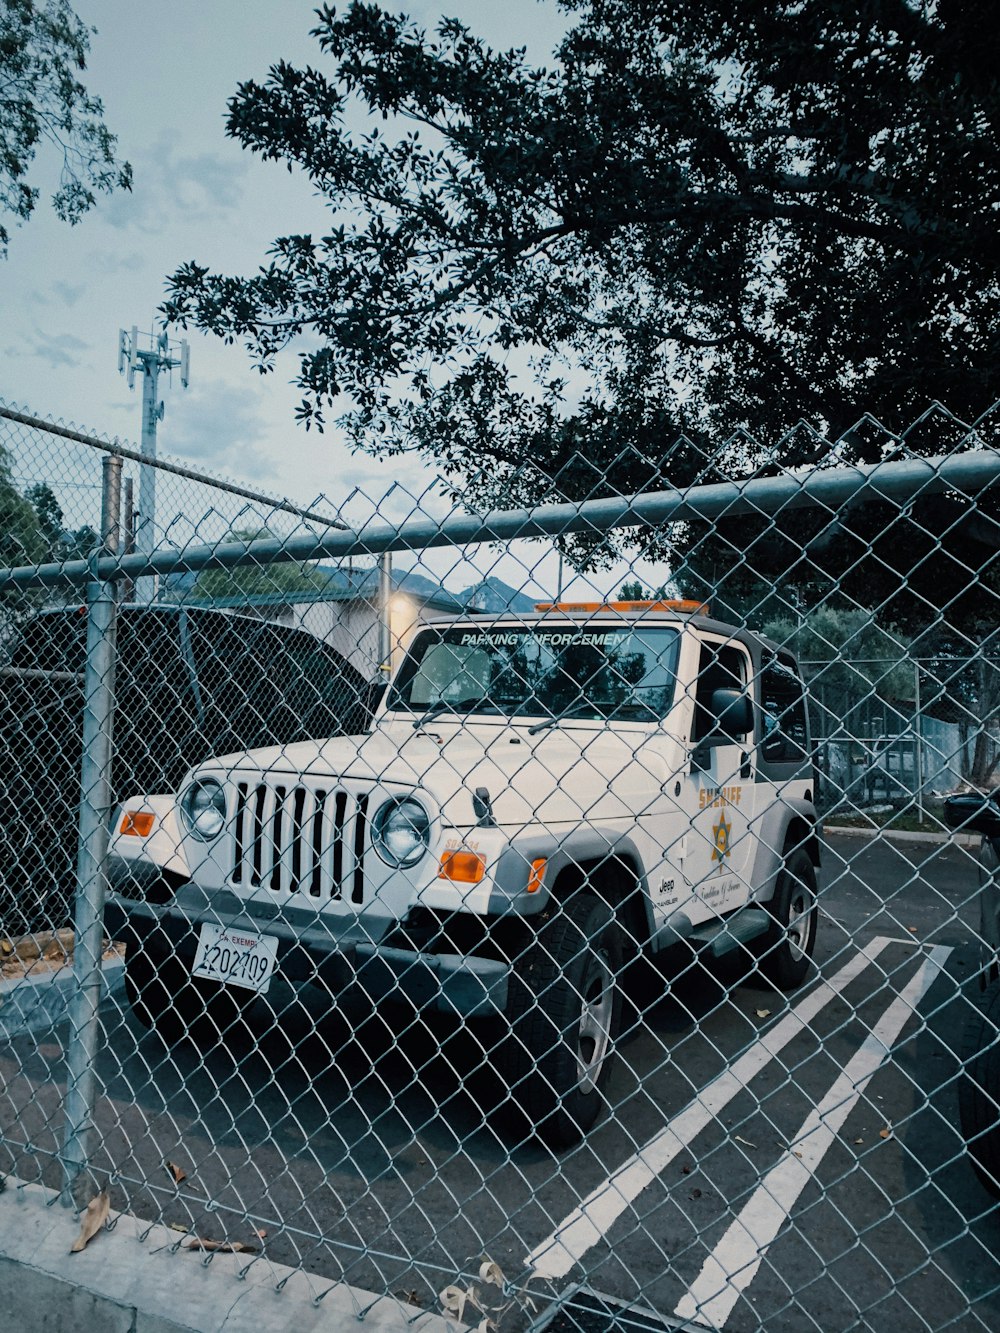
{"points": [[203, 807], [401, 832]]}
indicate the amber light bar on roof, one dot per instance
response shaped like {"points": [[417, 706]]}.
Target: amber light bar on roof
{"points": [[668, 604]]}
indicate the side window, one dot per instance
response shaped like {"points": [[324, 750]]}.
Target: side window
{"points": [[270, 672], [157, 706], [220, 653], [152, 671], [784, 704], [325, 692], [723, 666]]}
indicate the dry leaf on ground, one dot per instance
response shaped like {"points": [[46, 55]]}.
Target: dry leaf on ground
{"points": [[491, 1272], [92, 1220], [763, 1013], [746, 1142], [176, 1172], [222, 1246], [453, 1300], [885, 1133]]}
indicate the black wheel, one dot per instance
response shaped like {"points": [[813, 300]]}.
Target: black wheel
{"points": [[979, 1088], [564, 1012], [165, 998], [787, 948]]}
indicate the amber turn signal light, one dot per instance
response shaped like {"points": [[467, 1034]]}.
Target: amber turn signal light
{"points": [[137, 824], [537, 875], [464, 867]]}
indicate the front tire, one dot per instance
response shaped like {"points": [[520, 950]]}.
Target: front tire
{"points": [[979, 1089], [787, 948], [564, 1012]]}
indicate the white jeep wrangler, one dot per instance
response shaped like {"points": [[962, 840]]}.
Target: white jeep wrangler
{"points": [[541, 803]]}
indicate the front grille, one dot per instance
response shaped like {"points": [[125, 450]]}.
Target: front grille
{"points": [[298, 839]]}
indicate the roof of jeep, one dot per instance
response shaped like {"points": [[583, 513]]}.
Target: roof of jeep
{"points": [[604, 613]]}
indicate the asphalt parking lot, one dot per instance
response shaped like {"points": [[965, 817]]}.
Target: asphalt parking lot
{"points": [[806, 1146]]}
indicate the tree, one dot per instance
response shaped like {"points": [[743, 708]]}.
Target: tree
{"points": [[723, 215], [633, 590], [60, 543], [851, 654], [21, 541], [43, 48], [244, 583], [705, 219]]}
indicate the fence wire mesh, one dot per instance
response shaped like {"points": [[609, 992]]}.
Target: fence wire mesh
{"points": [[508, 955]]}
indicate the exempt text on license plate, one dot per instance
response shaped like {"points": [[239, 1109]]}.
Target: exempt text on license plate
{"points": [[236, 957]]}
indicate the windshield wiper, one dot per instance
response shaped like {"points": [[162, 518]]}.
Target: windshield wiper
{"points": [[438, 706], [568, 711]]}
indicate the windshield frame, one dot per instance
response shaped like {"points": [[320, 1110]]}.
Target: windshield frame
{"points": [[567, 696]]}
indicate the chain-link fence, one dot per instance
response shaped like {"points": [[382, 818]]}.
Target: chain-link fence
{"points": [[371, 908]]}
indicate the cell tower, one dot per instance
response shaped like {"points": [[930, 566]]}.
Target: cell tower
{"points": [[149, 361]]}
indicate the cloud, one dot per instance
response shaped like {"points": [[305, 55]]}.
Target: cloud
{"points": [[69, 292], [218, 426], [59, 350], [169, 186], [111, 261]]}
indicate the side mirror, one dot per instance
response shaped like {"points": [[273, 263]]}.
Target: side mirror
{"points": [[733, 713], [973, 813]]}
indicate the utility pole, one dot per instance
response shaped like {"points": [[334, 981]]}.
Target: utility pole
{"points": [[150, 361], [385, 643]]}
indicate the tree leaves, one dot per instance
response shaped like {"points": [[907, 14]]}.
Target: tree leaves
{"points": [[556, 283], [43, 49]]}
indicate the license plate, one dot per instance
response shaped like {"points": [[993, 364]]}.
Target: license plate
{"points": [[236, 957]]}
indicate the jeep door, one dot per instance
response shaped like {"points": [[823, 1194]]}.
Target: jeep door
{"points": [[716, 850]]}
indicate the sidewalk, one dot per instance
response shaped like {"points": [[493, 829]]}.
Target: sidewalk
{"points": [[40, 999], [138, 1278]]}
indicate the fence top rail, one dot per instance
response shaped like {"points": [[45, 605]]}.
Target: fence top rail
{"points": [[120, 450], [969, 472]]}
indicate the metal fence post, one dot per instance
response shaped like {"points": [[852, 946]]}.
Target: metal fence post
{"points": [[95, 801]]}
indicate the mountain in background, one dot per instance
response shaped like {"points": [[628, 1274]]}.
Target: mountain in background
{"points": [[494, 596], [491, 595]]}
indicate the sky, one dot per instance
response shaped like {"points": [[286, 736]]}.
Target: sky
{"points": [[164, 74]]}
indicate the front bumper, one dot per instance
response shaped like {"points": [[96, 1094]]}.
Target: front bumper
{"points": [[336, 955]]}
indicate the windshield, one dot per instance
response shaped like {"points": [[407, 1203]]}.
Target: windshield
{"points": [[540, 671]]}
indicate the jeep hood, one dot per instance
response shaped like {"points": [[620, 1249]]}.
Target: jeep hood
{"points": [[562, 774]]}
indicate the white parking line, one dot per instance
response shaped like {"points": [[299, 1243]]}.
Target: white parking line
{"points": [[734, 1262], [588, 1224]]}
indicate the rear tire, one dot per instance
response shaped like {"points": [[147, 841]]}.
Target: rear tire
{"points": [[979, 1089], [564, 1012], [787, 948]]}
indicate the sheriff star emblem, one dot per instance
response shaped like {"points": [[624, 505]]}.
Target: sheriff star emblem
{"points": [[721, 831]]}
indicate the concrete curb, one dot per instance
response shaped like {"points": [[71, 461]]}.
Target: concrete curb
{"points": [[959, 839], [131, 1279], [33, 1003]]}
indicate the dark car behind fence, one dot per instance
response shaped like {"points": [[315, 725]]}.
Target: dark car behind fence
{"points": [[191, 682]]}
